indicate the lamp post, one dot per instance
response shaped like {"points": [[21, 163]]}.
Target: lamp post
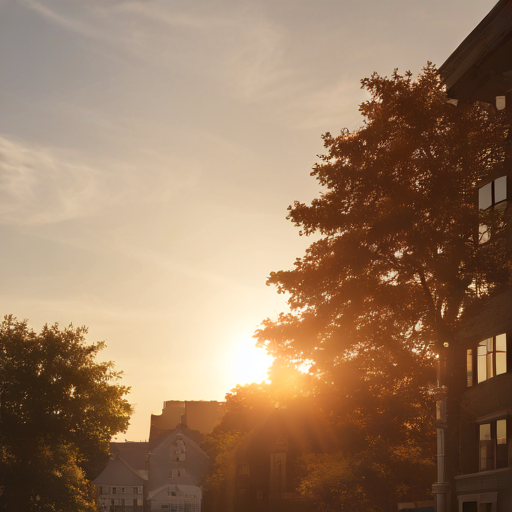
{"points": [[441, 487]]}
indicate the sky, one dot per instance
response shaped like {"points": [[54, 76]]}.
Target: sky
{"points": [[149, 150]]}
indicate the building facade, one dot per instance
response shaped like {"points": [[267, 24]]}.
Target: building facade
{"points": [[166, 472], [475, 413]]}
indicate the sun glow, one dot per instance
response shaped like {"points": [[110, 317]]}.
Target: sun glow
{"points": [[248, 363]]}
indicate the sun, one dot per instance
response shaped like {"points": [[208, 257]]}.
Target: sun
{"points": [[248, 363]]}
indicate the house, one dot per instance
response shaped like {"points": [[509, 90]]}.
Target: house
{"points": [[177, 467], [167, 471], [122, 485], [475, 418]]}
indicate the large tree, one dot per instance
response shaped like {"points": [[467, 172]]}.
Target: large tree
{"points": [[59, 408], [395, 267], [396, 259]]}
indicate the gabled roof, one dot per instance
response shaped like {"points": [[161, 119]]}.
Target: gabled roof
{"points": [[481, 67], [162, 461], [134, 454], [119, 472]]}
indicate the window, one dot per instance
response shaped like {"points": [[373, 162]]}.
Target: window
{"points": [[123, 490], [114, 490], [135, 490], [493, 195], [243, 469], [278, 472], [492, 357], [470, 506], [469, 368], [493, 450], [488, 360]]}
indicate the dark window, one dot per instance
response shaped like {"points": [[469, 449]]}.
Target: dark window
{"points": [[470, 506], [243, 469], [493, 195], [114, 490], [278, 472], [493, 450]]}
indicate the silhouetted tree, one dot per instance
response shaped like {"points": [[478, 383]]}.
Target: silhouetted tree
{"points": [[58, 411], [395, 268], [397, 222]]}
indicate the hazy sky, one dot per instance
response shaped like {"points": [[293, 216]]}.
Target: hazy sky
{"points": [[148, 152]]}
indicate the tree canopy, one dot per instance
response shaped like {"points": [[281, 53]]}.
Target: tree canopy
{"points": [[395, 266], [397, 222], [59, 408]]}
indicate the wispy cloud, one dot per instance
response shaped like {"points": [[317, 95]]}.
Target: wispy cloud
{"points": [[66, 22], [40, 185], [237, 47]]}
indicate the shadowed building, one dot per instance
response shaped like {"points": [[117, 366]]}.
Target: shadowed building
{"points": [[123, 483], [197, 415], [475, 418], [267, 462]]}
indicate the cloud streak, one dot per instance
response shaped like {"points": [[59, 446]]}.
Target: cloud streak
{"points": [[37, 187], [41, 185]]}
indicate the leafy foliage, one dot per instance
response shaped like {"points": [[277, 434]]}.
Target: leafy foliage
{"points": [[397, 220], [58, 411], [394, 268]]}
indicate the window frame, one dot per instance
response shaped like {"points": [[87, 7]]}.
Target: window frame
{"points": [[483, 365], [484, 234], [496, 458]]}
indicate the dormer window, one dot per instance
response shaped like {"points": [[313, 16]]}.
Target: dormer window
{"points": [[492, 195]]}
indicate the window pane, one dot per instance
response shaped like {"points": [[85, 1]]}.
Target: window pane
{"points": [[500, 189], [501, 354], [486, 447], [469, 368], [490, 358], [486, 456], [482, 361], [485, 196], [485, 431], [501, 444], [501, 432], [470, 506]]}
